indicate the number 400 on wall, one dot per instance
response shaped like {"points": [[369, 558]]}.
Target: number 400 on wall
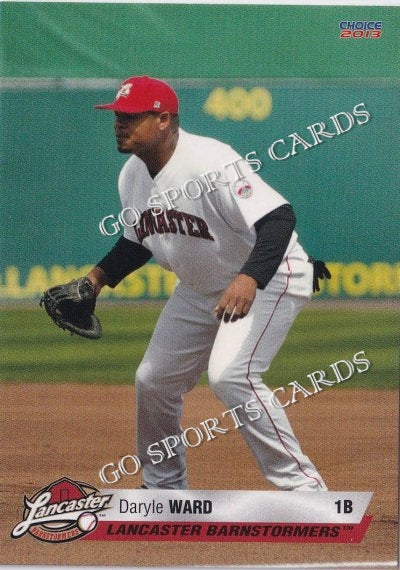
{"points": [[239, 104]]}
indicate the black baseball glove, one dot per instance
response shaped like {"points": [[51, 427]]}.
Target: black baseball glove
{"points": [[320, 271], [71, 306]]}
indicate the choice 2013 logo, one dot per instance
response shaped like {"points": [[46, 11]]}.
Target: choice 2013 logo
{"points": [[65, 510], [360, 29]]}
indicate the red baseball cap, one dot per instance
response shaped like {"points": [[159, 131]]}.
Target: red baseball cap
{"points": [[140, 94]]}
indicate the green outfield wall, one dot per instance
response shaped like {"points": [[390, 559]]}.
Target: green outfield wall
{"points": [[288, 70], [174, 40]]}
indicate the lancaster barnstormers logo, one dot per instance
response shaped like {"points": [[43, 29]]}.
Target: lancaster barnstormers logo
{"points": [[124, 90], [63, 511], [244, 191]]}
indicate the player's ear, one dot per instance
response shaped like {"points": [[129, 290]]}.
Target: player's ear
{"points": [[164, 120]]}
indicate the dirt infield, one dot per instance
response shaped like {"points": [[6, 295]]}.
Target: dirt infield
{"points": [[50, 431]]}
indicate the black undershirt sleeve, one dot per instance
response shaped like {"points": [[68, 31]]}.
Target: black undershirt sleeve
{"points": [[125, 257], [273, 236]]}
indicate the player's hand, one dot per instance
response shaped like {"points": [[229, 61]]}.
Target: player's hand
{"points": [[237, 299]]}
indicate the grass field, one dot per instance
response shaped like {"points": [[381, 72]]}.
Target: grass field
{"points": [[34, 350]]}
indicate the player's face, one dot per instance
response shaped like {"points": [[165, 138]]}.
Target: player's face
{"points": [[137, 134]]}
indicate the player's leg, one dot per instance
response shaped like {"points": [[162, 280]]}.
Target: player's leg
{"points": [[242, 352], [175, 358]]}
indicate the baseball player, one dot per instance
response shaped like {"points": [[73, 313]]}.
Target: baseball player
{"points": [[201, 211]]}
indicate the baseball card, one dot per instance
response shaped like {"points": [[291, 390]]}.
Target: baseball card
{"points": [[199, 284]]}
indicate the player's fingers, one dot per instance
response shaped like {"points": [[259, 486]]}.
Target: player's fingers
{"points": [[220, 308], [242, 310], [219, 311], [238, 312], [246, 308], [234, 316], [229, 311]]}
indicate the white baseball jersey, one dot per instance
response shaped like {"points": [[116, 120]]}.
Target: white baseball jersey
{"points": [[210, 199]]}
